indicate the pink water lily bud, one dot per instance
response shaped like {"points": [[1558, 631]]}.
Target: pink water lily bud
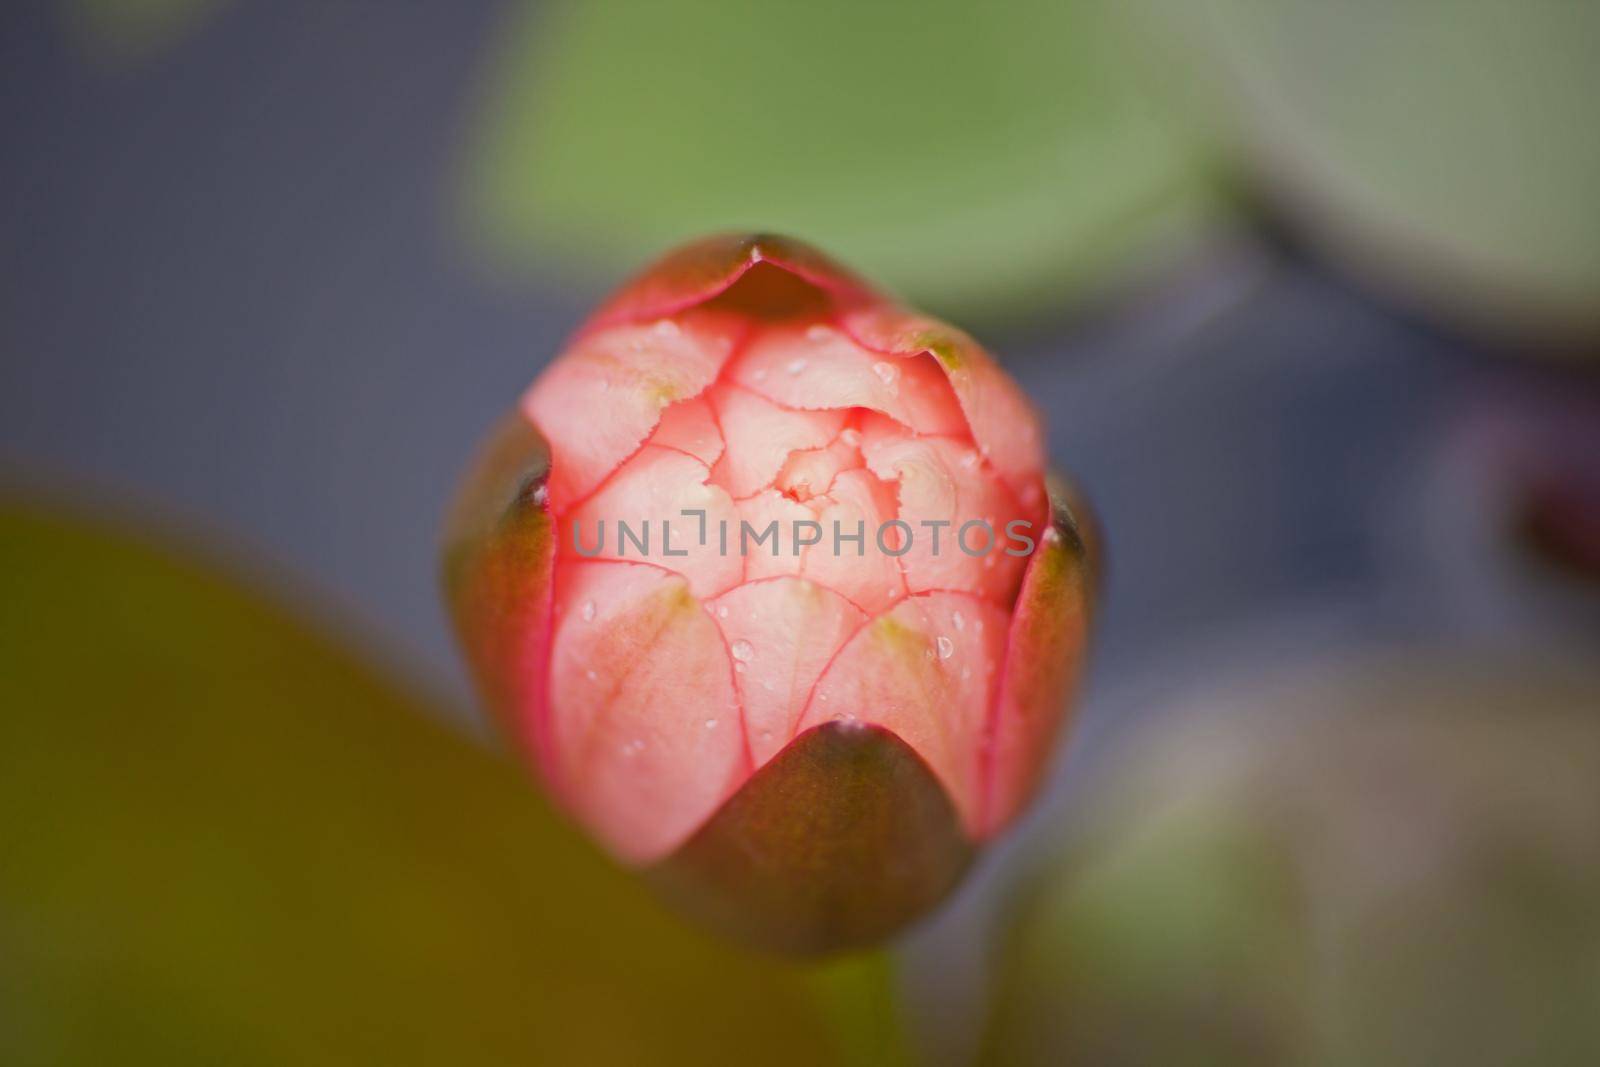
{"points": [[764, 575]]}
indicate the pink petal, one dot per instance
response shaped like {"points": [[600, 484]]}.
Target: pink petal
{"points": [[650, 492], [704, 269], [811, 473], [760, 435], [782, 633], [602, 397], [644, 718], [1004, 424], [774, 555], [943, 481], [689, 426], [866, 576], [927, 670], [815, 366], [1044, 658]]}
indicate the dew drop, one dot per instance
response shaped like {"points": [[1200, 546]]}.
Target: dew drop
{"points": [[722, 611], [887, 373], [711, 724], [960, 620], [665, 328], [971, 460], [743, 650], [818, 333], [588, 611], [851, 436], [795, 366], [759, 374], [947, 647], [591, 675], [966, 673]]}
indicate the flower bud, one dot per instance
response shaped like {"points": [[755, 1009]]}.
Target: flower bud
{"points": [[764, 575]]}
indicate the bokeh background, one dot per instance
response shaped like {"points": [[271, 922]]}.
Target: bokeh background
{"points": [[1309, 293]]}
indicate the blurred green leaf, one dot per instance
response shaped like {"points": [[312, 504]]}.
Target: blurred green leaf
{"points": [[1449, 149], [135, 29], [224, 841], [980, 158], [1392, 863]]}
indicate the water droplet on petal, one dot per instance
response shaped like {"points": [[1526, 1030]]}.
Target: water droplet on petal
{"points": [[743, 650], [759, 374], [971, 460], [960, 620], [588, 611], [795, 366], [851, 436], [887, 373], [711, 724], [947, 647], [818, 333], [722, 611], [590, 674], [665, 328]]}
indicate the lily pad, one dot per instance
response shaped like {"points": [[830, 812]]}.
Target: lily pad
{"points": [[128, 30], [1446, 150], [979, 158], [227, 841]]}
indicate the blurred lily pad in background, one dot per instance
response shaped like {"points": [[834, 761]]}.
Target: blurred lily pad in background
{"points": [[226, 841], [981, 159], [1393, 862], [134, 29], [1447, 150]]}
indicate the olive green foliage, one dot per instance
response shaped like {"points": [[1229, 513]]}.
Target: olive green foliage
{"points": [[226, 841]]}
